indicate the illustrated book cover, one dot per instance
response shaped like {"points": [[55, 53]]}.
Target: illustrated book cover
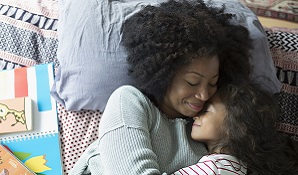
{"points": [[39, 148], [15, 115], [10, 164]]}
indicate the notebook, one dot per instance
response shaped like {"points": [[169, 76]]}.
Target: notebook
{"points": [[10, 164], [39, 149], [15, 115]]}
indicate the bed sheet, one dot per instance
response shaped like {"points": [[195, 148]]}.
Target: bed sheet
{"points": [[28, 36]]}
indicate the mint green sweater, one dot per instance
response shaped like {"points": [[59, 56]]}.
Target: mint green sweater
{"points": [[136, 138]]}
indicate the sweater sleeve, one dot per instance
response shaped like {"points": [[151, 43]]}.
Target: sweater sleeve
{"points": [[124, 140]]}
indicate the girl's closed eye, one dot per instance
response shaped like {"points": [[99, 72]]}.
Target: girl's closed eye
{"points": [[204, 110]]}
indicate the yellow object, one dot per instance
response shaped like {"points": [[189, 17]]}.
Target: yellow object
{"points": [[37, 164]]}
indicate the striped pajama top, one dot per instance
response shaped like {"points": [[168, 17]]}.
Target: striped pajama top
{"points": [[215, 164]]}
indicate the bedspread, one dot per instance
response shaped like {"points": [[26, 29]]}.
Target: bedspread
{"points": [[28, 36], [283, 44]]}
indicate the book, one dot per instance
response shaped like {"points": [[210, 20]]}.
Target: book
{"points": [[10, 164], [40, 148], [15, 115]]}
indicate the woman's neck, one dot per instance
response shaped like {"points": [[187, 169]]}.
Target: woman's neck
{"points": [[170, 113]]}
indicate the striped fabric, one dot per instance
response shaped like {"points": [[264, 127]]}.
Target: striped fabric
{"points": [[28, 32], [215, 164]]}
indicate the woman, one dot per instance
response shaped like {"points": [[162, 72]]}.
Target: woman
{"points": [[178, 52]]}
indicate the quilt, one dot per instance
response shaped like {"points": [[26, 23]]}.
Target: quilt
{"points": [[279, 9]]}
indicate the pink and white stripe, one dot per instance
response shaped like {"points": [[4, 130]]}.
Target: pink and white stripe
{"points": [[215, 164]]}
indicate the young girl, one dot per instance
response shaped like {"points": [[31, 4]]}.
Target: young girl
{"points": [[238, 129]]}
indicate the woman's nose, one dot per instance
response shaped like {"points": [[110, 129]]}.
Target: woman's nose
{"points": [[202, 94]]}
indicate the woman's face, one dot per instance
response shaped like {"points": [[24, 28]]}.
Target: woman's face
{"points": [[207, 123], [192, 85]]}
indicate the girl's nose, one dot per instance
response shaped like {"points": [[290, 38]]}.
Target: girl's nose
{"points": [[196, 117]]}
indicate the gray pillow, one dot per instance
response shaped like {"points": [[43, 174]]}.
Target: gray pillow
{"points": [[264, 71], [93, 62]]}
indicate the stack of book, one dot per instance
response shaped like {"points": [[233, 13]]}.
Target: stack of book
{"points": [[28, 122]]}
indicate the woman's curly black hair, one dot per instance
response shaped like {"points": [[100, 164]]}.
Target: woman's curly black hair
{"points": [[249, 131], [158, 40]]}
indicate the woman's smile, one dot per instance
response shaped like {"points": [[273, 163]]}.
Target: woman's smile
{"points": [[195, 106]]}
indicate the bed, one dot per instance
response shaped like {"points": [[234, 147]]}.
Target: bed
{"points": [[29, 35]]}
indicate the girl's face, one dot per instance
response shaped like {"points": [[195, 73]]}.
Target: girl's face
{"points": [[191, 87], [207, 124]]}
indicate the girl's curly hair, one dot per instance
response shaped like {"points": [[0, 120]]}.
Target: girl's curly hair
{"points": [[249, 131], [159, 38]]}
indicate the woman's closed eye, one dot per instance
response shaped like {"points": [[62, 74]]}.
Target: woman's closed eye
{"points": [[192, 84], [212, 85]]}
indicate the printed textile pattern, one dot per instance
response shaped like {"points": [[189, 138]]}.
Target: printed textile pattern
{"points": [[279, 9], [283, 44], [27, 35]]}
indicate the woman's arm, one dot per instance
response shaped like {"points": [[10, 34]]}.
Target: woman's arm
{"points": [[124, 135], [128, 151]]}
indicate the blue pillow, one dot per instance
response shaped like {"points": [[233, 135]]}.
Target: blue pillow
{"points": [[93, 62]]}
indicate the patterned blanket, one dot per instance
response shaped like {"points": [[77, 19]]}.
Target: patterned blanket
{"points": [[284, 48], [279, 9], [28, 36]]}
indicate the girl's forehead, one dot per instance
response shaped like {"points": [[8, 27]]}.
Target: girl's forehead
{"points": [[215, 100]]}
